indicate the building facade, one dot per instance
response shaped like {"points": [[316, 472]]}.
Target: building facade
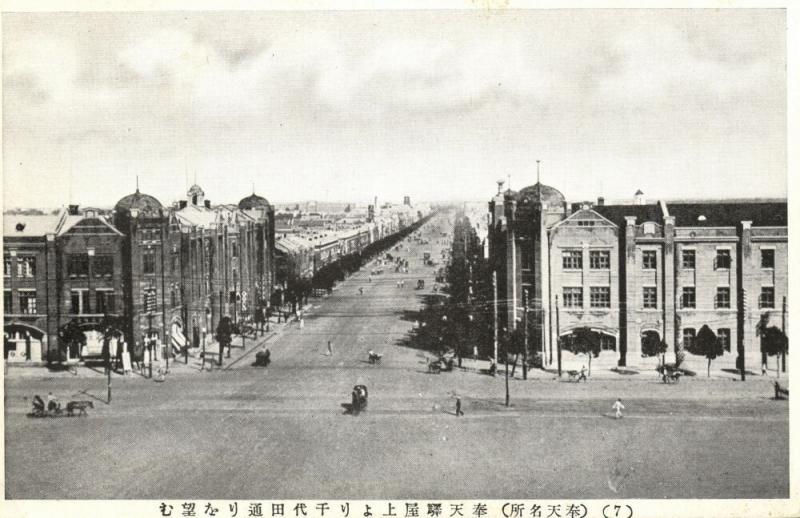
{"points": [[57, 269], [639, 271]]}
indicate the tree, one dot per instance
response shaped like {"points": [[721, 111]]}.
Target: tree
{"points": [[774, 343], [652, 345], [707, 344], [224, 332], [583, 341], [347, 209]]}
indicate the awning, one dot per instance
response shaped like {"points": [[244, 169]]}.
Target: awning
{"points": [[177, 339]]}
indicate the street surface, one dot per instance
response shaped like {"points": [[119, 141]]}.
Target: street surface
{"points": [[281, 432]]}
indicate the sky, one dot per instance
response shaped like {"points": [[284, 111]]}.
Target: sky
{"points": [[437, 105]]}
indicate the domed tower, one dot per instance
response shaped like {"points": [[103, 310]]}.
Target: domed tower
{"points": [[144, 222], [195, 196], [260, 209], [529, 213]]}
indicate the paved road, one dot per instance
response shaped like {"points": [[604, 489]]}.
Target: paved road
{"points": [[282, 432]]}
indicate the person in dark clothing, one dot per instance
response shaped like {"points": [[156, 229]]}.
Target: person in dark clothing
{"points": [[458, 407]]}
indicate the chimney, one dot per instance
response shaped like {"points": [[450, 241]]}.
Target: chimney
{"points": [[601, 201], [207, 203], [73, 210], [182, 204]]}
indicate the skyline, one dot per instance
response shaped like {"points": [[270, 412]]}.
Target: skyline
{"points": [[435, 105]]}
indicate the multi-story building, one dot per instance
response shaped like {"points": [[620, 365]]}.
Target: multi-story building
{"points": [[57, 269], [187, 267], [639, 271]]}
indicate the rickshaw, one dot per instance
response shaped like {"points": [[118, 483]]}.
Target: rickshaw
{"points": [[359, 398]]}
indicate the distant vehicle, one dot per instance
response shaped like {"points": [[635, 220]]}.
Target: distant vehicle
{"points": [[426, 256], [420, 284]]}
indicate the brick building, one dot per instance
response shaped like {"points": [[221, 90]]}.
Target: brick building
{"points": [[57, 269], [639, 271], [187, 267]]}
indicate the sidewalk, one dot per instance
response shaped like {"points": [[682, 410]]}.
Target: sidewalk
{"points": [[241, 350]]}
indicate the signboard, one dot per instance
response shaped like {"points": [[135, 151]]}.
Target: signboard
{"points": [[150, 300]]}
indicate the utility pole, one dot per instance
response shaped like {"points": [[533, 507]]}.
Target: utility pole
{"points": [[494, 288], [558, 339], [525, 343], [783, 331]]}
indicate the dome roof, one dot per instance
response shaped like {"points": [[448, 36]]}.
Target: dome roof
{"points": [[138, 201], [195, 189], [254, 201], [549, 195]]}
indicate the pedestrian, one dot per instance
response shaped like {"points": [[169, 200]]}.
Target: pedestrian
{"points": [[458, 407], [618, 408], [330, 348], [360, 291], [302, 322], [583, 373], [764, 369]]}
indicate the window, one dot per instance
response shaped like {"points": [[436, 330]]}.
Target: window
{"points": [[6, 266], [767, 298], [7, 302], [149, 261], [234, 249], [27, 302], [768, 258], [78, 265], [688, 299], [173, 297], [723, 260], [572, 259], [600, 297], [586, 223], [650, 297], [105, 301], [724, 337], [26, 266], [599, 259], [607, 343], [689, 336], [79, 302], [723, 298], [688, 259], [524, 258], [103, 266], [573, 297], [648, 259]]}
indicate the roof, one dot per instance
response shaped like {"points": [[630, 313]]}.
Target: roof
{"points": [[616, 213], [138, 201], [21, 225], [254, 201], [87, 225], [548, 194], [197, 216], [292, 244], [762, 214]]}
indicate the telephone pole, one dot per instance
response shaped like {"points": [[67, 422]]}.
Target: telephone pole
{"points": [[494, 288], [783, 331], [525, 343], [558, 339]]}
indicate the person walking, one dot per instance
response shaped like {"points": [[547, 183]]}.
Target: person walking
{"points": [[618, 407], [458, 407], [330, 348], [764, 369]]}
